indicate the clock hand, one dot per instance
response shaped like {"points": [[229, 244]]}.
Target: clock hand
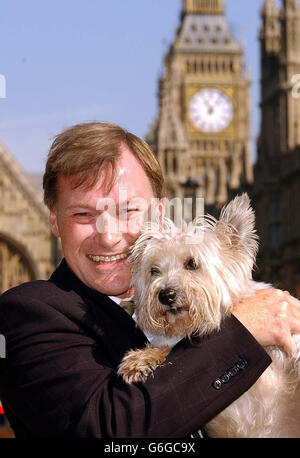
{"points": [[209, 107]]}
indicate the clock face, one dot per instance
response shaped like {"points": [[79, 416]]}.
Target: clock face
{"points": [[211, 110]]}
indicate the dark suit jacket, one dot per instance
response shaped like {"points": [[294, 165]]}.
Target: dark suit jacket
{"points": [[64, 344]]}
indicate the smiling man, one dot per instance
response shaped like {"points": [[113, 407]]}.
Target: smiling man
{"points": [[98, 255], [65, 337]]}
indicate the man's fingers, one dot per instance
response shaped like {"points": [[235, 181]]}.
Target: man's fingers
{"points": [[294, 325], [282, 334], [289, 312], [295, 303], [287, 344], [273, 317], [281, 297], [290, 307]]}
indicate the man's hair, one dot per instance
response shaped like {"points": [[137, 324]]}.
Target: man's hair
{"points": [[84, 151]]}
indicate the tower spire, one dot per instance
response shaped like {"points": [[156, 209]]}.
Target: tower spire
{"points": [[204, 6], [269, 6], [290, 4]]}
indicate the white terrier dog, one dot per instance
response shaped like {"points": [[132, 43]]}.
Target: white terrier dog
{"points": [[186, 282]]}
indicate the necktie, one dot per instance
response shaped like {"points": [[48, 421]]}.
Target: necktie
{"points": [[128, 306]]}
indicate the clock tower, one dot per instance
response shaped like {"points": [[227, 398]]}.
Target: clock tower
{"points": [[201, 135], [276, 194]]}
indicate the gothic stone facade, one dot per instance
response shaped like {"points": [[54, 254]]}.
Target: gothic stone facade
{"points": [[277, 172], [28, 251], [201, 135]]}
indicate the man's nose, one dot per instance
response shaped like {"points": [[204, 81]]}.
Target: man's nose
{"points": [[108, 230]]}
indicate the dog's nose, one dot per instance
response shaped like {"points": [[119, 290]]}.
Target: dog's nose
{"points": [[167, 296]]}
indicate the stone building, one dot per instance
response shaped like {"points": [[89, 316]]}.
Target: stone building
{"points": [[28, 251], [276, 193], [201, 135]]}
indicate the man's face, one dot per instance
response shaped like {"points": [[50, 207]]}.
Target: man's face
{"points": [[97, 230]]}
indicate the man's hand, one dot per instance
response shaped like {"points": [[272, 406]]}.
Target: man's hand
{"points": [[272, 316]]}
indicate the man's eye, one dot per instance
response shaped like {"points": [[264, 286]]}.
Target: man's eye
{"points": [[132, 210], [125, 211], [83, 214]]}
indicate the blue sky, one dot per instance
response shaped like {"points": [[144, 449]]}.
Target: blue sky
{"points": [[69, 61]]}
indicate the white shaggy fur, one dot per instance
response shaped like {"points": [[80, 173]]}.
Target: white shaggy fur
{"points": [[209, 266]]}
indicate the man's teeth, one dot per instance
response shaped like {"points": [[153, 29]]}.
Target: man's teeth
{"points": [[107, 258]]}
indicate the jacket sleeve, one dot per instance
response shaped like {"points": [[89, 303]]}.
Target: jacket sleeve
{"points": [[52, 384]]}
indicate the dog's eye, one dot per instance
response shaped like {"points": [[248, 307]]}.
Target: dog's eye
{"points": [[154, 271], [191, 264]]}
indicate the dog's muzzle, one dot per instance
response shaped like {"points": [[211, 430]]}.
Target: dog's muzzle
{"points": [[167, 296]]}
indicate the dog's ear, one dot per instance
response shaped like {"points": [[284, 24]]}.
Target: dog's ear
{"points": [[237, 224]]}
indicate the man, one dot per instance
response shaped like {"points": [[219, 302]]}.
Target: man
{"points": [[66, 336]]}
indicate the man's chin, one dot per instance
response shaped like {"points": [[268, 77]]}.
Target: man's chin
{"points": [[113, 290], [111, 279], [109, 282]]}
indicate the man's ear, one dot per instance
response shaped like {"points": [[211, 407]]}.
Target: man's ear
{"points": [[53, 223]]}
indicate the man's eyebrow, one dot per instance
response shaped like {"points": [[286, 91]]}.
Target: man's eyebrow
{"points": [[125, 203], [80, 205], [93, 207]]}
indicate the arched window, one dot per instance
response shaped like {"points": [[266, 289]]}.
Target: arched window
{"points": [[14, 267]]}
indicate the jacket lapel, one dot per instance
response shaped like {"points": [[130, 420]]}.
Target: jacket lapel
{"points": [[97, 314]]}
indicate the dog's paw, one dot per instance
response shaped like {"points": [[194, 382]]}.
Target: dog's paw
{"points": [[138, 365], [134, 371]]}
